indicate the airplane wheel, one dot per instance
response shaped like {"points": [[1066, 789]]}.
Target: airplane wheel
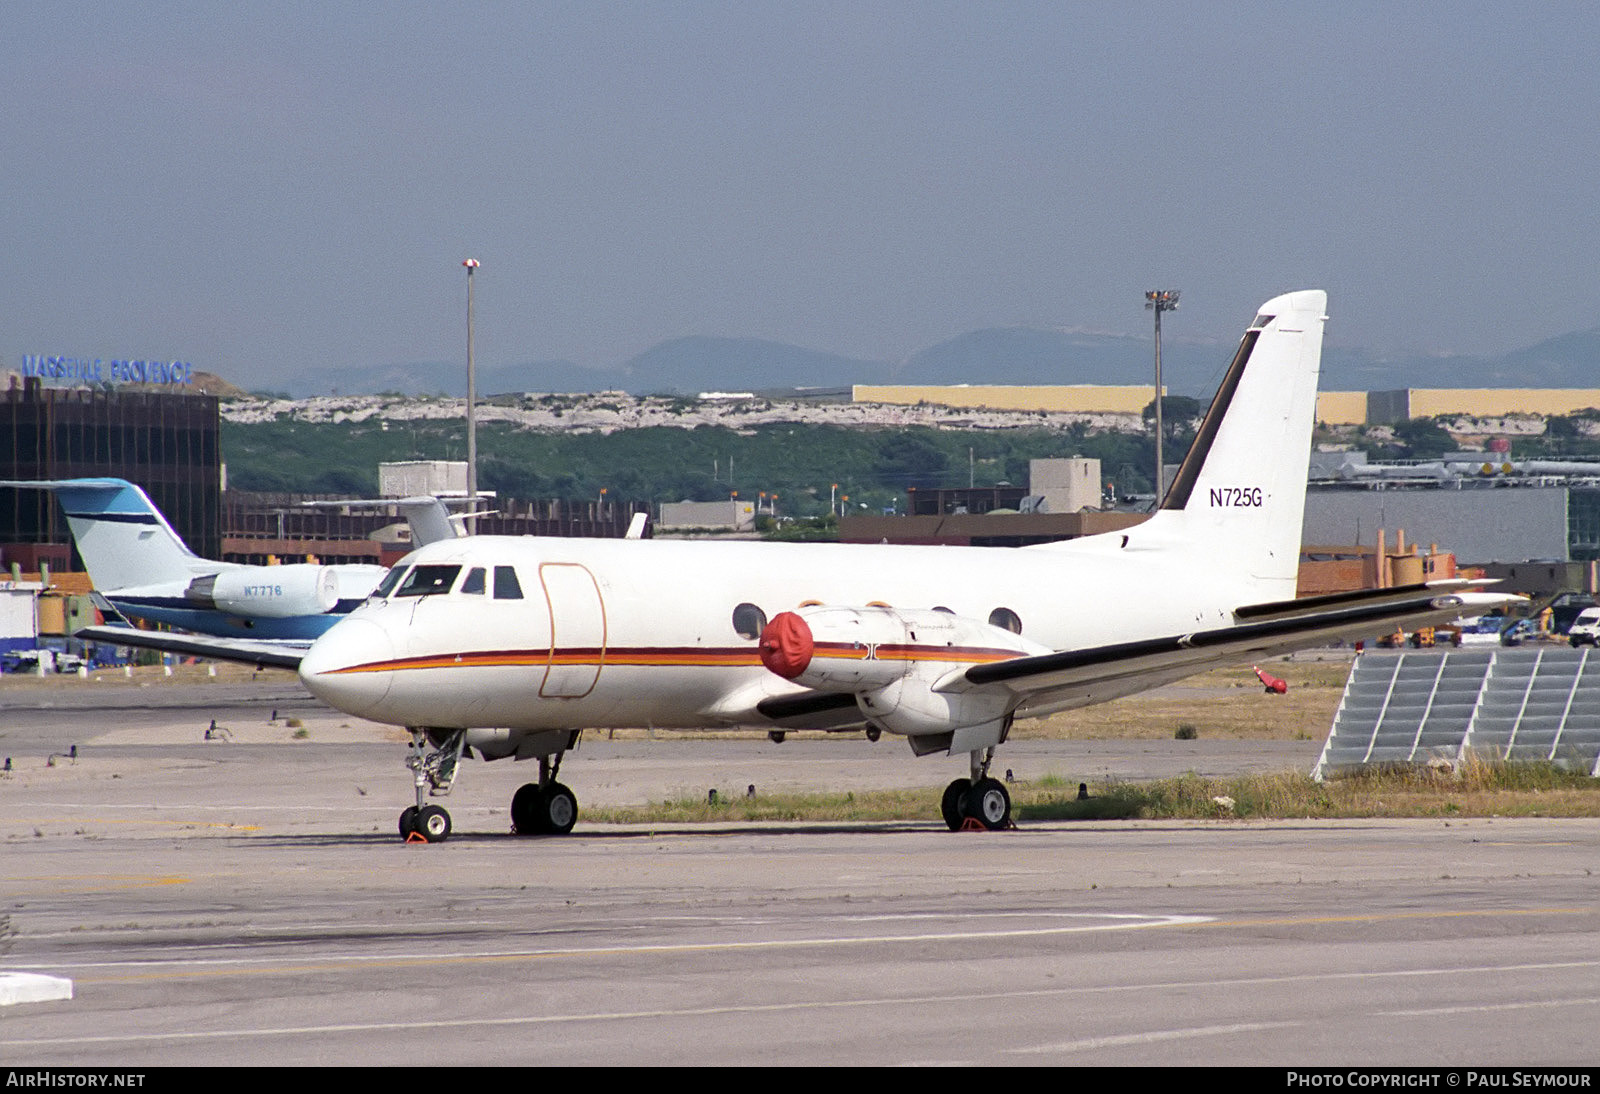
{"points": [[560, 810], [950, 804], [408, 821], [433, 824], [527, 812], [989, 803], [873, 733]]}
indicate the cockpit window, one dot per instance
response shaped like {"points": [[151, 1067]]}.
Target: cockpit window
{"points": [[390, 580], [474, 582], [429, 580], [506, 585]]}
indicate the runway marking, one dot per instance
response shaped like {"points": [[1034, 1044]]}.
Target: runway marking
{"points": [[102, 882], [243, 806], [1484, 1007], [207, 967], [137, 820], [941, 998], [544, 1019], [1393, 917], [233, 966], [1154, 1037]]}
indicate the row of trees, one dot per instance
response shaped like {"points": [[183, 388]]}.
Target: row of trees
{"points": [[800, 464]]}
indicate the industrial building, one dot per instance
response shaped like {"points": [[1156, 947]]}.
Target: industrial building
{"points": [[1490, 510]]}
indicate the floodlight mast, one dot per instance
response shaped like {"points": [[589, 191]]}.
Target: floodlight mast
{"points": [[1158, 301], [472, 421]]}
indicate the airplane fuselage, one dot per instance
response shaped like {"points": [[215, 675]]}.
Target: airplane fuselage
{"points": [[617, 633]]}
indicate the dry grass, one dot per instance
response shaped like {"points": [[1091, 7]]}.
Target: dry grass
{"points": [[1478, 790], [1224, 704]]}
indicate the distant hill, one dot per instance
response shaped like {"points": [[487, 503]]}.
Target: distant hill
{"points": [[687, 366], [1569, 360], [1024, 355], [1002, 355], [450, 378]]}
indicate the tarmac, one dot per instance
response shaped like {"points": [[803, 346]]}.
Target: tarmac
{"points": [[246, 900]]}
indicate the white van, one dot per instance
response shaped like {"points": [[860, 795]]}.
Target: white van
{"points": [[1585, 629]]}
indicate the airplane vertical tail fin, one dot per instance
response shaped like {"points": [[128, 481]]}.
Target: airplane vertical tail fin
{"points": [[123, 538], [1239, 495]]}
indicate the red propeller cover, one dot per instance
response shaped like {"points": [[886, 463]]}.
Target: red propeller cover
{"points": [[786, 645]]}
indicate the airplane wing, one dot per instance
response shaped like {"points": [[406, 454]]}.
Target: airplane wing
{"points": [[1074, 678], [1042, 682], [279, 655]]}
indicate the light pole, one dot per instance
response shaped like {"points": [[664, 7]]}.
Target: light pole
{"points": [[1158, 301], [472, 421]]}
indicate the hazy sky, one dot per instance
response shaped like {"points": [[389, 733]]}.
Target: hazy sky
{"points": [[261, 188]]}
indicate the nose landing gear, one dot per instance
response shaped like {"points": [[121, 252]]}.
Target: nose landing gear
{"points": [[432, 772]]}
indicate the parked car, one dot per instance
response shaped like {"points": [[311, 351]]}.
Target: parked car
{"points": [[1519, 632]]}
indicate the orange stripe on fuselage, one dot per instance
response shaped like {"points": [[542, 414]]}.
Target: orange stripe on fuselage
{"points": [[663, 657]]}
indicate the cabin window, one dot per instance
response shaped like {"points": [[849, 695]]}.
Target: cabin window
{"points": [[506, 585], [942, 608], [390, 580], [749, 621], [1006, 620], [475, 581], [429, 580]]}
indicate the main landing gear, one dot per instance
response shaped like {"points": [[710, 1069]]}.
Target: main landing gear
{"points": [[980, 798], [544, 808]]}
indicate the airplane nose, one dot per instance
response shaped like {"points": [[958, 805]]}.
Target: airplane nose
{"points": [[348, 667]]}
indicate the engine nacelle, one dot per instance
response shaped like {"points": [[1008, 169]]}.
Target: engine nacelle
{"points": [[891, 659], [268, 592]]}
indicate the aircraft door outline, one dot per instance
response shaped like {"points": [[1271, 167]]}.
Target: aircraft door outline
{"points": [[577, 630]]}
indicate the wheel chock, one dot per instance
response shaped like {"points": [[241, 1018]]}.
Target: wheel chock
{"points": [[416, 837], [973, 824]]}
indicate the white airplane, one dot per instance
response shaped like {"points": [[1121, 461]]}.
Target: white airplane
{"points": [[142, 570], [511, 646]]}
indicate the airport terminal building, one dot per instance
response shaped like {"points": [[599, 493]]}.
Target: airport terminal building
{"points": [[166, 442]]}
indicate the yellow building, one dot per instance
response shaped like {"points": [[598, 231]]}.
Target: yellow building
{"points": [[1342, 407], [1484, 402], [1333, 407]]}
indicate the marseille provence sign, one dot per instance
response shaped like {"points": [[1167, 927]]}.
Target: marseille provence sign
{"points": [[93, 370]]}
